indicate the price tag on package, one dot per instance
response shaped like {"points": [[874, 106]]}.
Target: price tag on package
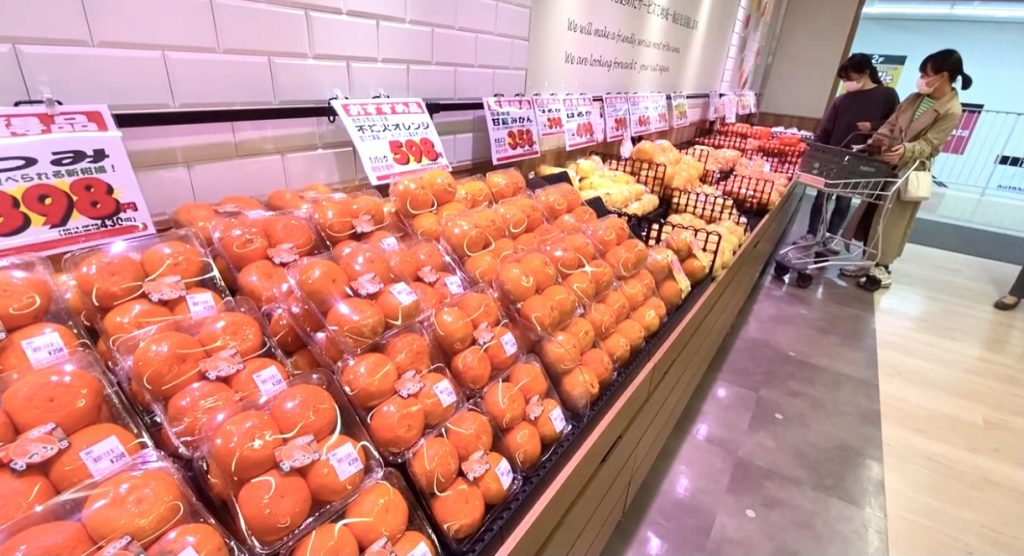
{"points": [[680, 110], [65, 181], [616, 117], [550, 115], [394, 136], [579, 121], [512, 127]]}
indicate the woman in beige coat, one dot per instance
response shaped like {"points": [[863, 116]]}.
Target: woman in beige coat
{"points": [[910, 139]]}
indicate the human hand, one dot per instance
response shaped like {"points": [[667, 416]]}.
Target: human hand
{"points": [[894, 155], [864, 126]]}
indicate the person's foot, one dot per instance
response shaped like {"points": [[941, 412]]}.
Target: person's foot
{"points": [[878, 278], [806, 238], [855, 270], [1007, 302], [834, 245]]}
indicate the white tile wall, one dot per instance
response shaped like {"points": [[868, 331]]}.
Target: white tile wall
{"points": [[401, 42], [153, 146], [329, 133], [378, 8], [12, 86], [454, 47], [493, 51], [165, 187], [509, 82], [219, 79], [367, 80], [433, 12], [320, 166], [307, 81], [454, 122], [255, 28], [177, 24], [448, 144], [43, 22], [434, 82], [335, 6], [476, 15], [86, 75], [520, 54], [269, 136], [513, 21], [254, 176], [334, 36], [473, 82]]}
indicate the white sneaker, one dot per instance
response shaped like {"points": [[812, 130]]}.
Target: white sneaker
{"points": [[806, 238], [877, 279], [855, 270], [835, 245]]}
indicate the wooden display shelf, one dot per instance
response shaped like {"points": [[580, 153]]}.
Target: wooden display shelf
{"points": [[578, 509]]}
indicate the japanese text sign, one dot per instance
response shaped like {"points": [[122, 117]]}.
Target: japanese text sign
{"points": [[65, 181], [550, 115], [616, 117], [715, 109], [394, 136], [512, 127], [680, 114], [579, 121], [730, 104], [647, 112]]}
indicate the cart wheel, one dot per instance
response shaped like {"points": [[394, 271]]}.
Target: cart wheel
{"points": [[804, 280], [781, 270]]}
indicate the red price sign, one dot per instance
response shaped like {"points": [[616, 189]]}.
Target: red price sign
{"points": [[413, 151], [579, 125], [92, 198], [616, 116], [550, 115], [512, 128]]}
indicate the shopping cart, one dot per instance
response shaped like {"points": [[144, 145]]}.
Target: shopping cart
{"points": [[842, 172]]}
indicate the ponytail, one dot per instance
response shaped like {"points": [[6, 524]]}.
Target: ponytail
{"points": [[950, 62], [873, 75], [859, 64]]}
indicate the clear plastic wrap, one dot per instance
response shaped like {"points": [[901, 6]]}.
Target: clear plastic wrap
{"points": [[37, 325], [257, 246], [61, 425], [529, 286], [146, 507], [141, 282], [279, 463], [352, 216], [199, 217], [190, 373], [505, 183], [382, 518]]}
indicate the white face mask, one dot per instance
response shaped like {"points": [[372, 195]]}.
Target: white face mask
{"points": [[852, 86], [923, 87]]}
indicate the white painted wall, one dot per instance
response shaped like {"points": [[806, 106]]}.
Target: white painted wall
{"points": [[993, 54], [810, 48], [163, 54]]}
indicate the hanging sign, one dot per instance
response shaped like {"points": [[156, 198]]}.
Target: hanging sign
{"points": [[579, 121], [597, 120], [730, 105], [550, 115], [616, 117], [65, 181], [647, 112], [393, 136], [680, 113], [512, 127], [743, 103], [715, 110]]}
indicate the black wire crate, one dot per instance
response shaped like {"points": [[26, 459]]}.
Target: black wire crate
{"points": [[709, 208], [752, 195], [650, 174], [655, 231]]}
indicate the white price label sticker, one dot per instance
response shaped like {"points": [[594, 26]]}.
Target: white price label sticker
{"points": [[394, 136], [445, 393], [403, 293], [504, 472], [508, 343], [201, 304], [345, 461], [421, 549], [188, 551], [579, 121], [269, 381], [680, 110], [389, 243], [44, 349], [550, 115], [454, 284], [104, 456], [616, 117], [512, 128], [557, 419]]}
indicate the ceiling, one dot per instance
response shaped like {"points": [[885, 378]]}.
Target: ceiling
{"points": [[991, 10]]}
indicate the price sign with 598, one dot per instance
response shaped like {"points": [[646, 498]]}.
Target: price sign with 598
{"points": [[64, 185], [394, 136]]}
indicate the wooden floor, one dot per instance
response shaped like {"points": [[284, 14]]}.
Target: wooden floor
{"points": [[951, 381]]}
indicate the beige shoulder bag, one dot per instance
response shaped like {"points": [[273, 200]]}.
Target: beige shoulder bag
{"points": [[917, 187]]}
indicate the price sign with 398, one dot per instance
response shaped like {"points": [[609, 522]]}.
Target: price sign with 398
{"points": [[512, 128]]}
